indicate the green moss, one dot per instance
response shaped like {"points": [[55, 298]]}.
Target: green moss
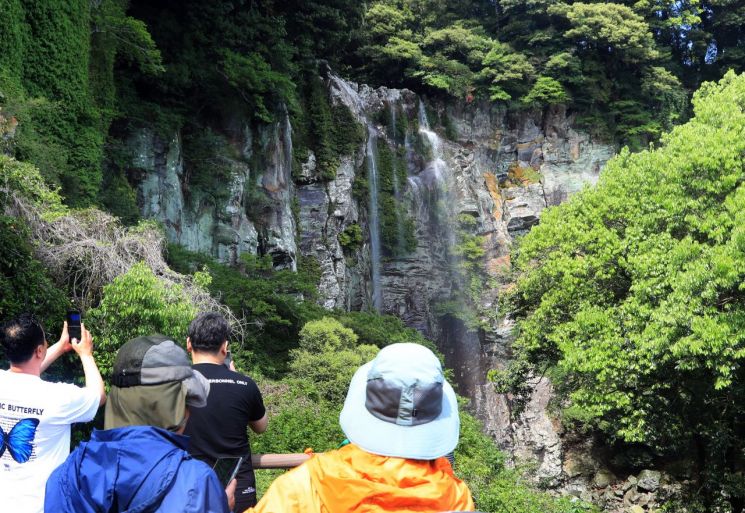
{"points": [[402, 126], [208, 166], [351, 238], [348, 134], [327, 130], [450, 131], [119, 198], [396, 228], [321, 127], [12, 35]]}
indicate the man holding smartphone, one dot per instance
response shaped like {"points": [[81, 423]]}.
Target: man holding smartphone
{"points": [[219, 430], [35, 415]]}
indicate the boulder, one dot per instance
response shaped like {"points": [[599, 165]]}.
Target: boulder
{"points": [[648, 480]]}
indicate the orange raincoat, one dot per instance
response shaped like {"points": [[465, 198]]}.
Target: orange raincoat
{"points": [[351, 480]]}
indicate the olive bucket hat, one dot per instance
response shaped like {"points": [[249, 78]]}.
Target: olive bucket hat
{"points": [[400, 404], [152, 384]]}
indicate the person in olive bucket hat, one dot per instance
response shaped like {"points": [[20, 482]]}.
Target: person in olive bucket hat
{"points": [[140, 462]]}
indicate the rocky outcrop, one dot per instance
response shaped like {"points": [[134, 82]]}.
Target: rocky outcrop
{"points": [[493, 176], [194, 218]]}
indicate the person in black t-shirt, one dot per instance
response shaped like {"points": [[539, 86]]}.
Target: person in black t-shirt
{"points": [[234, 403]]}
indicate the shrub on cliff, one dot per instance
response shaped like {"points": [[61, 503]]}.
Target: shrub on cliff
{"points": [[633, 294]]}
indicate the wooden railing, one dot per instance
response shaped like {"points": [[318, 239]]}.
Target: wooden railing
{"points": [[267, 461]]}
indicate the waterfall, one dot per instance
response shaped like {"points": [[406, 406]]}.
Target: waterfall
{"points": [[400, 243], [374, 223], [287, 135], [438, 178], [437, 167]]}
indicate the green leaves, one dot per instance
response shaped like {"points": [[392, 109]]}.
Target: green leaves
{"points": [[546, 91], [610, 26], [137, 303], [255, 81], [632, 291]]}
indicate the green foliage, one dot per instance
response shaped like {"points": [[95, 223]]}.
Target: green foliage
{"points": [[119, 198], [496, 488], [396, 226], [609, 27], [137, 303], [546, 91], [222, 59], [381, 330], [23, 180], [633, 292], [297, 422], [327, 357], [12, 35], [505, 72], [255, 80], [276, 303], [207, 164], [25, 285], [128, 35], [57, 81], [350, 239]]}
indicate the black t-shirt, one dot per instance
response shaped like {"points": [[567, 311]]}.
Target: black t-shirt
{"points": [[220, 428]]}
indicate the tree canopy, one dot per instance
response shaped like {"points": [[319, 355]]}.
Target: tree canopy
{"points": [[632, 294]]}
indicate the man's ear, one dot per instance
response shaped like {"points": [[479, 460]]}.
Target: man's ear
{"points": [[224, 348], [188, 345], [39, 351]]}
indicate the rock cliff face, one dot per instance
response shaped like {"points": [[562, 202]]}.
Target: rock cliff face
{"points": [[490, 178], [195, 219]]}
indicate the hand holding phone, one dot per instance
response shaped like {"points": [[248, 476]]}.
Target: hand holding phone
{"points": [[73, 325], [228, 360]]}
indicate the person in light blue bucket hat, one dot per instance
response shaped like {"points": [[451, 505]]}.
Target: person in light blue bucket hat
{"points": [[401, 418], [400, 404]]}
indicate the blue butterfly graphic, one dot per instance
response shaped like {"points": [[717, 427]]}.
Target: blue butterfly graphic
{"points": [[18, 441]]}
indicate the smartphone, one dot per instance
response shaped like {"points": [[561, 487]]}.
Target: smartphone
{"points": [[228, 359], [73, 324], [227, 468]]}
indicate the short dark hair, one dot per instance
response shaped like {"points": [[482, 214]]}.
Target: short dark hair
{"points": [[20, 337], [208, 331]]}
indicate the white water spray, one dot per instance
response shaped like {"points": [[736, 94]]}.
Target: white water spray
{"points": [[374, 222]]}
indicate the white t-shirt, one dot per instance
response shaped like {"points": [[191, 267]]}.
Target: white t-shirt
{"points": [[35, 418]]}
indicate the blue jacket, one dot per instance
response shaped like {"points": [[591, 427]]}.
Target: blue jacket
{"points": [[134, 469]]}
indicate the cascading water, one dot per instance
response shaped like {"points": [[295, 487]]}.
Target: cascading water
{"points": [[461, 345], [437, 164], [374, 221], [438, 178], [396, 187]]}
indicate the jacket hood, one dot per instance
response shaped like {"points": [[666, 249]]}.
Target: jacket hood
{"points": [[352, 480], [130, 468]]}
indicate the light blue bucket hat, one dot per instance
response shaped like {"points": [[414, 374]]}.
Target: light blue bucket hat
{"points": [[400, 404]]}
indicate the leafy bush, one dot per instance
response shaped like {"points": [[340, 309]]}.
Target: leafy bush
{"points": [[633, 292], [381, 330], [25, 285], [350, 238], [134, 304], [327, 357]]}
